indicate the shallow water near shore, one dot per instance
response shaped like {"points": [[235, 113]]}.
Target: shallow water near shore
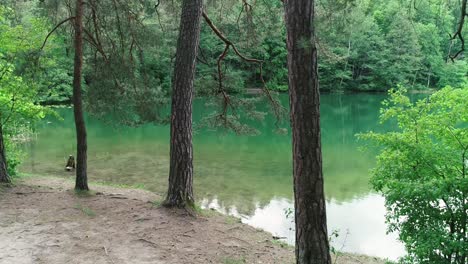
{"points": [[246, 176]]}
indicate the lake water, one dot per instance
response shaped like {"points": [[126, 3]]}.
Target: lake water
{"points": [[246, 176]]}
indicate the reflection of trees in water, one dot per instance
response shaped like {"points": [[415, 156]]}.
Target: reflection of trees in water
{"points": [[240, 171], [242, 184], [239, 206]]}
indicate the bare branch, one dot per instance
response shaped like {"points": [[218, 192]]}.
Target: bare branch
{"points": [[278, 109], [53, 30], [12, 108], [459, 33]]}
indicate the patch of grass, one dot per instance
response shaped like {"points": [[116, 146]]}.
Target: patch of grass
{"points": [[72, 179], [198, 209], [119, 185], [82, 193], [156, 203], [210, 212], [18, 178], [281, 243], [233, 260], [231, 220], [204, 212], [86, 210], [21, 177], [26, 175]]}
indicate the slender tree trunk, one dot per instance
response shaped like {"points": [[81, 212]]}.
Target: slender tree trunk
{"points": [[311, 223], [81, 144], [180, 191], [4, 177], [428, 78]]}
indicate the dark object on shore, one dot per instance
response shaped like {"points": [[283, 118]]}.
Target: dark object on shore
{"points": [[70, 163]]}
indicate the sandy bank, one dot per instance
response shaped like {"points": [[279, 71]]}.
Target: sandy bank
{"points": [[43, 221]]}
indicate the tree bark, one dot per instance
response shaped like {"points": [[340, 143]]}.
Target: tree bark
{"points": [[312, 244], [81, 144], [180, 191], [4, 176]]}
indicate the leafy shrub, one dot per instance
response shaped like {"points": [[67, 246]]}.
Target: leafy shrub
{"points": [[14, 157], [422, 172]]}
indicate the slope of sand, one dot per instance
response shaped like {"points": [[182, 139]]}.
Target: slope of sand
{"points": [[43, 221]]}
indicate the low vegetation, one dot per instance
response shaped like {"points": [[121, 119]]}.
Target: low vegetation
{"points": [[422, 172]]}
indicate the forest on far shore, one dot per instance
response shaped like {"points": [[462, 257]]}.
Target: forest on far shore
{"points": [[363, 45]]}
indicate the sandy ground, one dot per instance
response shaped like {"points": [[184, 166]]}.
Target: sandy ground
{"points": [[43, 221]]}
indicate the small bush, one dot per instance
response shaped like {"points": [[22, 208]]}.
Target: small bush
{"points": [[14, 157], [422, 171]]}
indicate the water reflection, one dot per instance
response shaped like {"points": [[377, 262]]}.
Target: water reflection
{"points": [[360, 224], [247, 176]]}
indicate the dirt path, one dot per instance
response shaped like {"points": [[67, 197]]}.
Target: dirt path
{"points": [[43, 221]]}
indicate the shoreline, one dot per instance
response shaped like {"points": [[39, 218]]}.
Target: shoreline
{"points": [[113, 220]]}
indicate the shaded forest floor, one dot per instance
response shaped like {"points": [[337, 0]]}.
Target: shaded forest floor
{"points": [[42, 220]]}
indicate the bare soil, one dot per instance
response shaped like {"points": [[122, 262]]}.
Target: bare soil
{"points": [[42, 220]]}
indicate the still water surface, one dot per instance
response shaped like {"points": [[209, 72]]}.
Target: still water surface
{"points": [[246, 176]]}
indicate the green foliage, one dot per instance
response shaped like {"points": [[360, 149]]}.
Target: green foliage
{"points": [[422, 173], [17, 97], [363, 45], [18, 92], [403, 52], [454, 73], [18, 112], [374, 45], [15, 156]]}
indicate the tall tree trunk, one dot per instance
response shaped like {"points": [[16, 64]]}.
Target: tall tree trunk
{"points": [[81, 144], [180, 191], [4, 177], [311, 223]]}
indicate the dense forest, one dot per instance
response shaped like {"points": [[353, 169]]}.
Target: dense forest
{"points": [[134, 63], [363, 46]]}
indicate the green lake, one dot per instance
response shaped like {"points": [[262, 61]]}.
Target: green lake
{"points": [[246, 176]]}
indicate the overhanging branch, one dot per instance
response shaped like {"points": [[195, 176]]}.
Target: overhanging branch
{"points": [[54, 29], [459, 33], [278, 109]]}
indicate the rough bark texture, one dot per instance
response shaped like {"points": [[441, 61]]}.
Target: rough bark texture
{"points": [[4, 177], [312, 244], [81, 144], [180, 191]]}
